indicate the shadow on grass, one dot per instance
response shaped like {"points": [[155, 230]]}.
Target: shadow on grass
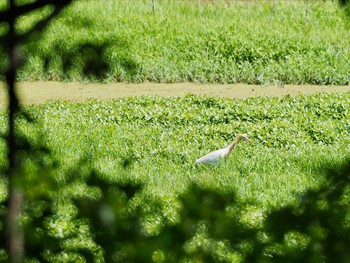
{"points": [[315, 230], [208, 228]]}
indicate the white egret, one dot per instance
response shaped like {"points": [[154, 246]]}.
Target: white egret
{"points": [[215, 156]]}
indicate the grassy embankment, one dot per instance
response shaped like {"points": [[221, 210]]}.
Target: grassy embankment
{"points": [[225, 42]]}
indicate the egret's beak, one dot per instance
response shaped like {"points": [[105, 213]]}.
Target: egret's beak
{"points": [[247, 139]]}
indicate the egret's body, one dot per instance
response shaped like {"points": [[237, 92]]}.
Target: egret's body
{"points": [[215, 156]]}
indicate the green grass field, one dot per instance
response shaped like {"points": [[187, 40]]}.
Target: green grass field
{"points": [[297, 134], [155, 141], [200, 41]]}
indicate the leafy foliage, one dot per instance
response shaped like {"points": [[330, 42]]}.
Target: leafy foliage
{"points": [[321, 216]]}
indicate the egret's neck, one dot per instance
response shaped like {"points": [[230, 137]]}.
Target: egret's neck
{"points": [[233, 145]]}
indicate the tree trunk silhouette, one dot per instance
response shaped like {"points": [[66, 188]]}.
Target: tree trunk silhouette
{"points": [[10, 43]]}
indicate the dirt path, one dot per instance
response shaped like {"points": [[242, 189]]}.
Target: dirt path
{"points": [[39, 92]]}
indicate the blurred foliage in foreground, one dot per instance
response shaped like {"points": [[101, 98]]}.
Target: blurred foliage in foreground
{"points": [[208, 228]]}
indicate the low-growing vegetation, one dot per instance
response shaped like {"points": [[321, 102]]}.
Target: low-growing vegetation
{"points": [[154, 142], [199, 41]]}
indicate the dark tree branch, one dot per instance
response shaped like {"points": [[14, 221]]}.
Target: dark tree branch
{"points": [[10, 42], [20, 38], [18, 11], [43, 23], [14, 233]]}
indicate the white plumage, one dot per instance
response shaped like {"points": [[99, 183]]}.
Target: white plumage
{"points": [[215, 156]]}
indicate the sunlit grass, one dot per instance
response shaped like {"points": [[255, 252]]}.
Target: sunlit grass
{"points": [[154, 142], [226, 42]]}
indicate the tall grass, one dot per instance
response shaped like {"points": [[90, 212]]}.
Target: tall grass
{"points": [[217, 42]]}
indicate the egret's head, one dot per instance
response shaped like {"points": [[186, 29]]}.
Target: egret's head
{"points": [[245, 137]]}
